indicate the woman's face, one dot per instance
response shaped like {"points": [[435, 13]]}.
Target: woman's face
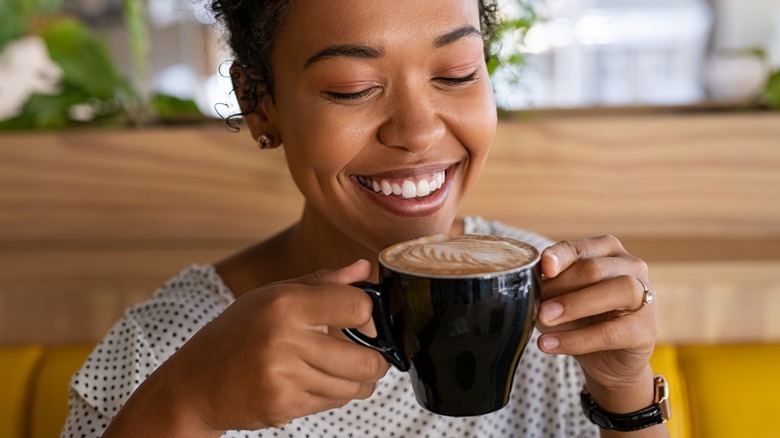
{"points": [[386, 112]]}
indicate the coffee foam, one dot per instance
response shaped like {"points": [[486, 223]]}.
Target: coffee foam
{"points": [[455, 255]]}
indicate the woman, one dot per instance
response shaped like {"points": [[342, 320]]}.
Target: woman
{"points": [[386, 114]]}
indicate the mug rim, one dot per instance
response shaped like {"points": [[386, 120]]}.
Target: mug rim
{"points": [[481, 275]]}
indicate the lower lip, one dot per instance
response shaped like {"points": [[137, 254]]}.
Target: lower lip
{"points": [[414, 206]]}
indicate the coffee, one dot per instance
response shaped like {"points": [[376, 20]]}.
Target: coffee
{"points": [[458, 255], [456, 312]]}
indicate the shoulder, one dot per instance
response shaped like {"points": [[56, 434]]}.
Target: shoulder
{"points": [[479, 225], [148, 334], [196, 292], [179, 308], [195, 281]]}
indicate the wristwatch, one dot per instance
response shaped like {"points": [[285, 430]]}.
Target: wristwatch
{"points": [[656, 413]]}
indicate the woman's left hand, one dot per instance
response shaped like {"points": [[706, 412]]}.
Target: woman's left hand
{"points": [[593, 309]]}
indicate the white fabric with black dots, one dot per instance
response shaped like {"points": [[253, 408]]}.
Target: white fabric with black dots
{"points": [[544, 401]]}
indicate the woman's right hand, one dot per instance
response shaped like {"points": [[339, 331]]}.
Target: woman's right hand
{"points": [[274, 355]]}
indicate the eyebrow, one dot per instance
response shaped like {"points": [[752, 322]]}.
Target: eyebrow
{"points": [[457, 34], [345, 50], [367, 52]]}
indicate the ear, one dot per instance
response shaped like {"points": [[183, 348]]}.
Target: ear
{"points": [[258, 109]]}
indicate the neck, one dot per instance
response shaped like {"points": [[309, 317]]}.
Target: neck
{"points": [[310, 245], [320, 245]]}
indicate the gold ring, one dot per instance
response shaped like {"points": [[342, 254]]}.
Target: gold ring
{"points": [[647, 297]]}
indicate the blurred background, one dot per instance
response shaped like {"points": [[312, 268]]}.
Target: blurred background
{"points": [[558, 54], [636, 52], [654, 120]]}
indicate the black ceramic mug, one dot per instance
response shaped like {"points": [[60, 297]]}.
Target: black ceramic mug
{"points": [[456, 311]]}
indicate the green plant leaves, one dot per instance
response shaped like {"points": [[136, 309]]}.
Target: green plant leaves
{"points": [[771, 95], [508, 30], [16, 16], [173, 108], [84, 60], [90, 83]]}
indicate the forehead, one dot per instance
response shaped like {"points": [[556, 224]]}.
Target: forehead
{"points": [[311, 24]]}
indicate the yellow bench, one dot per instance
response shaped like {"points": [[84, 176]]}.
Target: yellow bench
{"points": [[35, 401], [716, 390]]}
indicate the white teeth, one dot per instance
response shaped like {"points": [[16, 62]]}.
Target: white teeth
{"points": [[407, 188], [423, 188], [386, 188]]}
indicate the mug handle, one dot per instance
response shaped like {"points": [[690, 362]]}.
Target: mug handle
{"points": [[381, 343]]}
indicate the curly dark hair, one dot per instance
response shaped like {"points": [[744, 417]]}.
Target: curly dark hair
{"points": [[251, 27]]}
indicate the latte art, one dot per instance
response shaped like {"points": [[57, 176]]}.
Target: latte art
{"points": [[445, 255]]}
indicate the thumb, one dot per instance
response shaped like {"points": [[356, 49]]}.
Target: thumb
{"points": [[357, 271]]}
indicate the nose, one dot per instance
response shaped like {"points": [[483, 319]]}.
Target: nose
{"points": [[413, 122]]}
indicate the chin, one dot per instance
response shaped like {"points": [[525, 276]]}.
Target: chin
{"points": [[407, 228]]}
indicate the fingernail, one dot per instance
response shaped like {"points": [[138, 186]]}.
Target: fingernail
{"points": [[553, 264], [550, 342], [551, 310], [555, 261]]}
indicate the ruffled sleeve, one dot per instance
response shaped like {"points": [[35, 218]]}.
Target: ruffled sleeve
{"points": [[114, 369]]}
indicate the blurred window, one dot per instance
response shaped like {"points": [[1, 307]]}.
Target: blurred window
{"points": [[611, 52]]}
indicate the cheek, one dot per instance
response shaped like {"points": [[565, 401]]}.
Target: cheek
{"points": [[318, 144], [477, 130], [477, 127]]}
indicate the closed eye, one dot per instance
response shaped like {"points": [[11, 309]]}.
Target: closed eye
{"points": [[348, 96], [449, 81], [461, 80]]}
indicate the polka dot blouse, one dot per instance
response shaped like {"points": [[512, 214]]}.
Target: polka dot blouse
{"points": [[544, 400]]}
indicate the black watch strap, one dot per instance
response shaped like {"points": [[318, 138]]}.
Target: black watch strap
{"points": [[656, 413]]}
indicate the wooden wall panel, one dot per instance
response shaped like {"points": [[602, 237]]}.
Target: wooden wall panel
{"points": [[91, 222], [164, 184], [639, 176], [66, 296]]}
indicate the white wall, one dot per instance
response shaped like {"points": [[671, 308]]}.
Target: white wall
{"points": [[748, 23]]}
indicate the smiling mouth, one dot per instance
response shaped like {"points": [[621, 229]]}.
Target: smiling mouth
{"points": [[419, 186]]}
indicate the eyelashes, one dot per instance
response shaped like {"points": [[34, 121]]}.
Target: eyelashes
{"points": [[446, 82], [460, 80], [349, 96]]}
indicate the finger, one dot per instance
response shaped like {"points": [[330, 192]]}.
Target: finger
{"points": [[333, 305], [558, 257], [334, 368], [358, 271], [344, 359], [621, 293], [298, 389], [592, 271], [628, 332], [335, 388]]}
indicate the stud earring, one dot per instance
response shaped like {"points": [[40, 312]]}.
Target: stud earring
{"points": [[264, 141]]}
